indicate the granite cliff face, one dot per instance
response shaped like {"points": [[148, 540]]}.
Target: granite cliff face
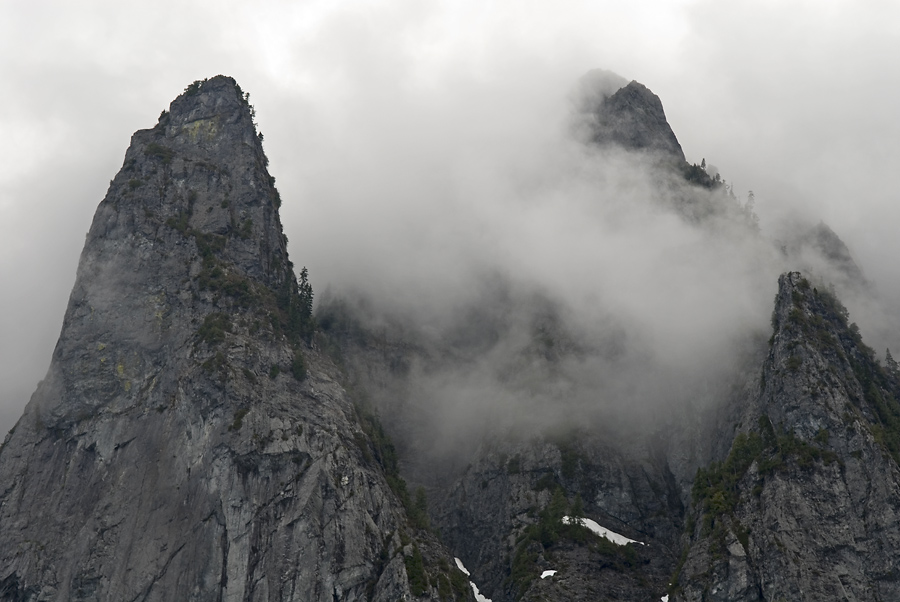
{"points": [[190, 441], [193, 440], [805, 506], [497, 517]]}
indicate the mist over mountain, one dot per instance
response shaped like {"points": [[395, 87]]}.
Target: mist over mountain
{"points": [[536, 346], [358, 88], [610, 281]]}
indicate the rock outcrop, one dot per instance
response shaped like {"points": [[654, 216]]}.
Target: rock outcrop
{"points": [[498, 517], [189, 440], [807, 504], [632, 118], [192, 440]]}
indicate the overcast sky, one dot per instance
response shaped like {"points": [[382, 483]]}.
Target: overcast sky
{"points": [[797, 101]]}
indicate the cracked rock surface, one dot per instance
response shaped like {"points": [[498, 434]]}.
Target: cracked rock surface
{"points": [[806, 505], [189, 440]]}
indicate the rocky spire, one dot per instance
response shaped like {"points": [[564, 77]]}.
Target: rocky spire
{"points": [[805, 504], [189, 441], [188, 235], [633, 118]]}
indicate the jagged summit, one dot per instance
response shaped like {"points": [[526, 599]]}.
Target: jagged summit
{"points": [[632, 117], [189, 441], [202, 170], [611, 112], [189, 229], [219, 96], [811, 480]]}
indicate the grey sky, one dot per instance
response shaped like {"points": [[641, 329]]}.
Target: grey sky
{"points": [[367, 107]]}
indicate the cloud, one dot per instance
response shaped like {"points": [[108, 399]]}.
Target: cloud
{"points": [[503, 234], [398, 131]]}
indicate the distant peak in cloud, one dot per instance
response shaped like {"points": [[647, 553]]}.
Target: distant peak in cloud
{"points": [[633, 118]]}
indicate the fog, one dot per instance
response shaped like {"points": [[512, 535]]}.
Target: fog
{"points": [[542, 281], [423, 150]]}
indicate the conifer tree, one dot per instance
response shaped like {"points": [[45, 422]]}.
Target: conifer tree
{"points": [[305, 304], [892, 367]]}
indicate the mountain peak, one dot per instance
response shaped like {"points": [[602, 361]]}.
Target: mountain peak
{"points": [[187, 413], [633, 118], [200, 171], [811, 470], [203, 99], [210, 114], [189, 229]]}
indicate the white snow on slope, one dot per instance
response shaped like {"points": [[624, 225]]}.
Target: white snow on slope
{"points": [[478, 596], [546, 574], [461, 567], [614, 537]]}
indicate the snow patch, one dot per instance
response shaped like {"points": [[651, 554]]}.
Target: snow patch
{"points": [[461, 567], [546, 574], [614, 537], [665, 598], [478, 596]]}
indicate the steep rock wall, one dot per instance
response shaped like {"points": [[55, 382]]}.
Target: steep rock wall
{"points": [[806, 505], [189, 441]]}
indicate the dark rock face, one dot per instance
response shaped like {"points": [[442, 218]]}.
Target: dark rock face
{"points": [[489, 518], [633, 118], [189, 441], [806, 505]]}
